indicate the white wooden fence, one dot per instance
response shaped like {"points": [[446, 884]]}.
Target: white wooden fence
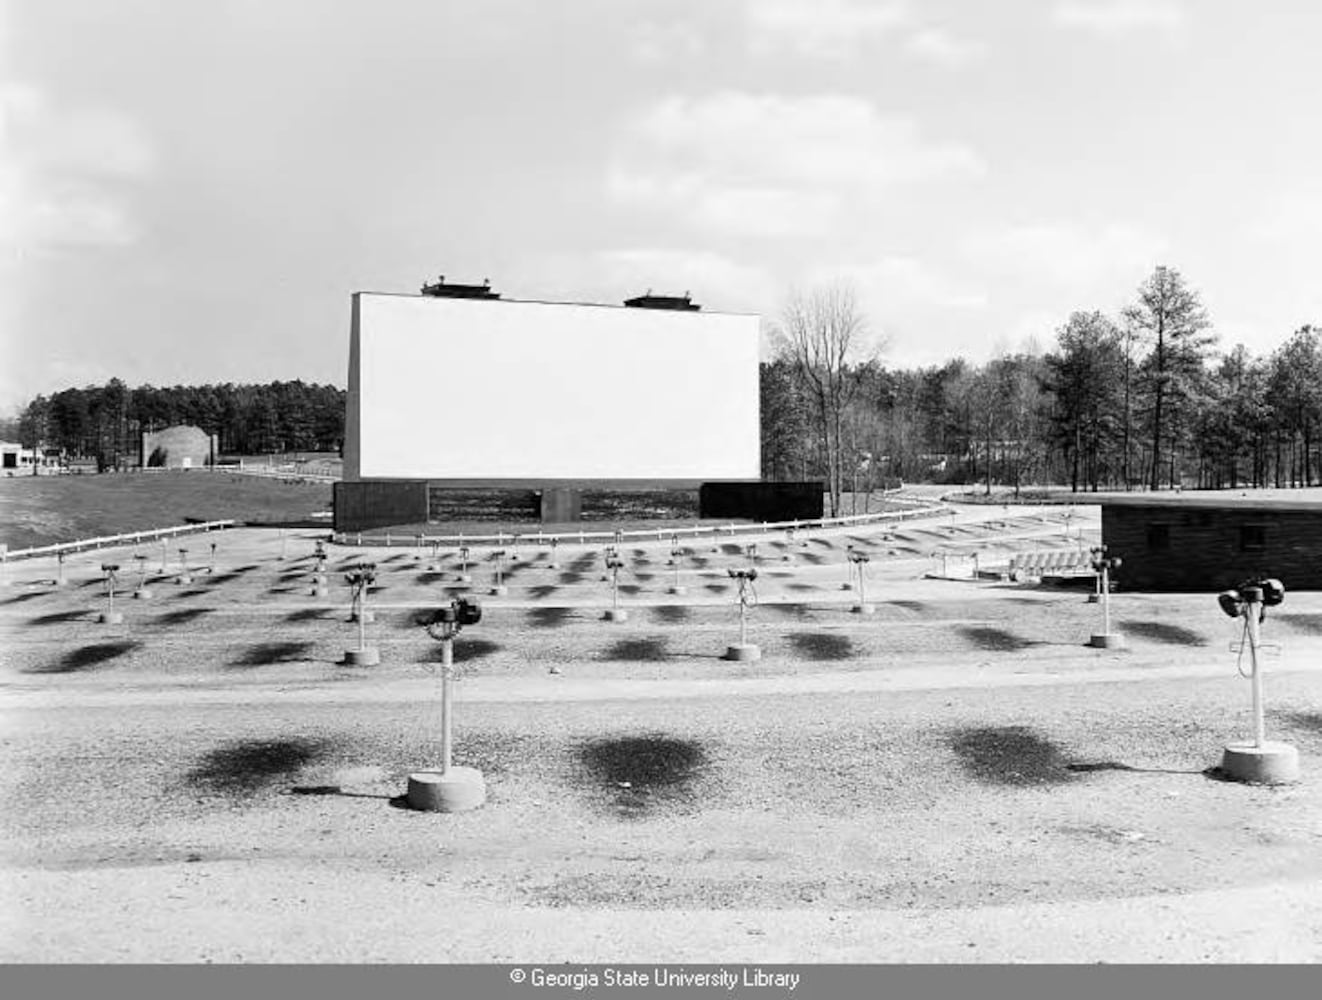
{"points": [[113, 541], [616, 536]]}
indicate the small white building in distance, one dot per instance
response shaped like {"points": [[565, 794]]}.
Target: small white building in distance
{"points": [[16, 459]]}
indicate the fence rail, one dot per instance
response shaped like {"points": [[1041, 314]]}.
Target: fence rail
{"points": [[112, 541], [713, 532]]}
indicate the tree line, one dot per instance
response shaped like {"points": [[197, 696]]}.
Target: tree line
{"points": [[106, 422], [1141, 399]]}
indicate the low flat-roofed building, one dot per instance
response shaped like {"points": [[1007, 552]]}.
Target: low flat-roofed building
{"points": [[1213, 542]]}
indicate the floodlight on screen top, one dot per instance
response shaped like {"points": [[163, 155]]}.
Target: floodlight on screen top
{"points": [[463, 389]]}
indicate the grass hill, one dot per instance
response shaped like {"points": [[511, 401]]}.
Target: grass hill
{"points": [[41, 510]]}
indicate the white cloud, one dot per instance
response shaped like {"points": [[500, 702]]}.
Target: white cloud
{"points": [[826, 29], [1068, 255], [716, 282], [655, 42], [940, 47], [910, 306], [1118, 16], [1291, 216], [769, 165], [902, 282], [59, 170]]}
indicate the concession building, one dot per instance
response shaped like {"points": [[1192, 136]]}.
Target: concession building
{"points": [[1210, 543]]}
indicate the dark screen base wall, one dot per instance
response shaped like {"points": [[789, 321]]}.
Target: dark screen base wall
{"points": [[762, 501], [369, 505], [366, 505]]}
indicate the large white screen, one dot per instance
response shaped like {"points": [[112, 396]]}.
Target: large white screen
{"points": [[470, 389]]}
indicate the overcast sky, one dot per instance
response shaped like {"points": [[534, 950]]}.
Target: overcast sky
{"points": [[189, 190]]}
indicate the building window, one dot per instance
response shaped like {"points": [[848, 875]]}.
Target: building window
{"points": [[1252, 538], [1159, 536]]}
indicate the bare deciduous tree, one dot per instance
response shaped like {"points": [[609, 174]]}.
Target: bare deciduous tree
{"points": [[823, 334]]}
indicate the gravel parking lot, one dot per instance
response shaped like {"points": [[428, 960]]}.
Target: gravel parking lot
{"points": [[954, 778]]}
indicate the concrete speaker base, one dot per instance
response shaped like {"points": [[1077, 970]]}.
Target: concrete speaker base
{"points": [[1094, 599], [617, 615], [787, 558], [1107, 640], [864, 609], [183, 578], [369, 656], [462, 578], [1272, 763], [745, 651], [552, 565], [846, 586], [366, 617], [676, 590], [319, 592], [111, 617], [454, 790], [500, 591], [143, 594]]}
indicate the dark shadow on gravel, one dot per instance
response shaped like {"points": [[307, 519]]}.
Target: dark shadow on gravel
{"points": [[799, 611], [630, 589], [1309, 624], [548, 617], [245, 767], [1010, 755], [26, 597], [1311, 721], [802, 587], [568, 578], [716, 588], [640, 775], [822, 646], [86, 657], [430, 577], [307, 615], [341, 793], [219, 578], [811, 557], [646, 650], [542, 590], [266, 653], [1175, 635], [59, 618], [1111, 765], [183, 616], [671, 614], [994, 640], [917, 607], [465, 650]]}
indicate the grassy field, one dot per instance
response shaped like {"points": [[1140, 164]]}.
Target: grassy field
{"points": [[40, 510]]}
